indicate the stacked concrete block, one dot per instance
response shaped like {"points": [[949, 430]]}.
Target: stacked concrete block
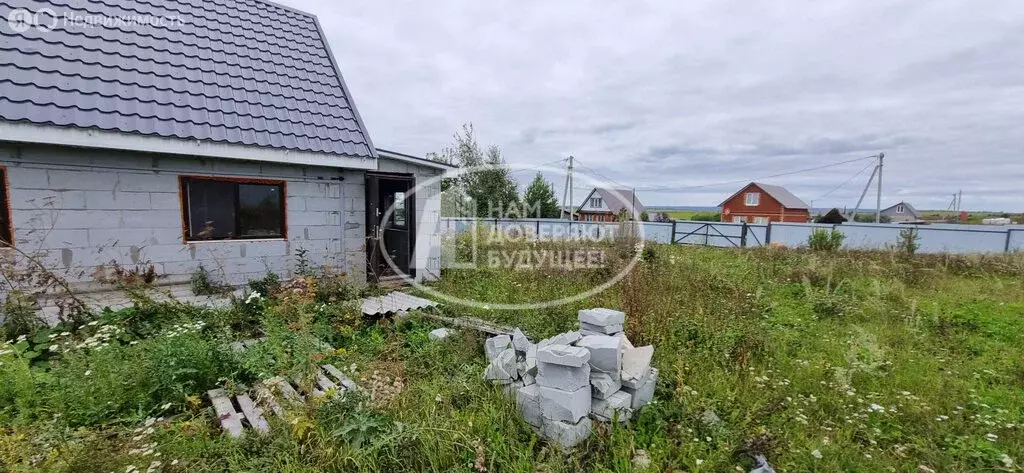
{"points": [[601, 321], [562, 382], [563, 379]]}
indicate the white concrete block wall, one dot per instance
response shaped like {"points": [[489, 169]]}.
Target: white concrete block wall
{"points": [[84, 208]]}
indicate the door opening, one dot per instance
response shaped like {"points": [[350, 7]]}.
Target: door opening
{"points": [[390, 227]]}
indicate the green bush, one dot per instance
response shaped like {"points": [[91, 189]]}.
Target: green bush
{"points": [[825, 240], [909, 241]]}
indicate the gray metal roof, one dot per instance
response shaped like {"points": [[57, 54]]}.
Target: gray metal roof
{"points": [[616, 200], [908, 209], [785, 197], [243, 72]]}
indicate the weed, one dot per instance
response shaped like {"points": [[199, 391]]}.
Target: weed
{"points": [[203, 284], [825, 240], [909, 241]]}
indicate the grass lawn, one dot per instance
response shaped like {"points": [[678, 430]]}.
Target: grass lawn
{"points": [[846, 361]]}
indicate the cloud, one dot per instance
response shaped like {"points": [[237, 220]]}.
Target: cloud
{"points": [[662, 94]]}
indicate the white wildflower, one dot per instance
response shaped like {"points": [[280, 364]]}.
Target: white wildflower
{"points": [[816, 454], [88, 372], [991, 437], [1007, 461]]}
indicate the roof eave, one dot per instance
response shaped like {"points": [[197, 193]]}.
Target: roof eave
{"points": [[24, 132]]}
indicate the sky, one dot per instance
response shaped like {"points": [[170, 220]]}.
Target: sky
{"points": [[679, 99]]}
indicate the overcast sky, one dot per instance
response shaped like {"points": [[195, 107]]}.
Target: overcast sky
{"points": [[676, 94]]}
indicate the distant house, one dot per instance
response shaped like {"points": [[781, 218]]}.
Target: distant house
{"points": [[763, 203], [901, 212], [604, 205]]}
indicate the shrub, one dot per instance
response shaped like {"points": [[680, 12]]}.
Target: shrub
{"points": [[909, 241], [825, 240], [19, 316], [266, 286], [204, 285]]}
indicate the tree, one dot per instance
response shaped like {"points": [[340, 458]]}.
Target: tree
{"points": [[486, 180], [539, 199], [644, 217]]}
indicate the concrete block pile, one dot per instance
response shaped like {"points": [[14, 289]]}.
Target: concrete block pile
{"points": [[564, 382]]}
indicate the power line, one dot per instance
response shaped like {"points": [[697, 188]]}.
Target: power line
{"points": [[557, 161], [845, 182], [740, 181]]}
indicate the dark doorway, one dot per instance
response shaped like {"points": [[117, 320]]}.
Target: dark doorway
{"points": [[390, 226]]}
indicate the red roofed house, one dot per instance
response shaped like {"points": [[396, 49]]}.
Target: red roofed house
{"points": [[762, 203]]}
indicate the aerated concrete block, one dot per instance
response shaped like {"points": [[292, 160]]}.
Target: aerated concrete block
{"points": [[605, 353], [564, 355], [495, 345], [567, 378], [520, 342], [601, 317], [511, 388], [567, 435], [528, 401], [635, 365], [568, 406], [603, 384], [529, 379], [503, 367], [588, 329], [619, 402], [531, 360], [644, 393], [567, 338]]}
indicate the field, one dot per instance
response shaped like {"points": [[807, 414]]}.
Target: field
{"points": [[844, 361]]}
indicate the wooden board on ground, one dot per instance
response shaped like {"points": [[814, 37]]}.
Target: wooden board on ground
{"points": [[473, 323], [229, 419], [252, 413]]}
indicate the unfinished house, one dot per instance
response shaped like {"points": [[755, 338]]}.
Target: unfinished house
{"points": [[228, 141]]}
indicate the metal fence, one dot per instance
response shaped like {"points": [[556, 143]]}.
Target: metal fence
{"points": [[938, 238]]}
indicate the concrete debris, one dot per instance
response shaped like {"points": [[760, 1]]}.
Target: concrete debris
{"points": [[564, 355], [763, 466], [495, 345], [618, 403], [440, 334], [605, 353], [644, 393], [520, 342], [567, 338], [528, 401], [567, 435], [588, 329], [568, 378], [604, 385], [601, 317], [562, 382], [503, 367], [635, 365], [569, 406]]}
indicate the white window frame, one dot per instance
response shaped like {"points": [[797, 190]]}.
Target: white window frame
{"points": [[760, 220], [738, 219], [900, 209], [595, 202], [752, 199]]}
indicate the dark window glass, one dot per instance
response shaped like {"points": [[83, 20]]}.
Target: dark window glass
{"points": [[398, 216], [259, 211], [220, 210]]}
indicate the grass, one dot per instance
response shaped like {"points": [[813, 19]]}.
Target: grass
{"points": [[876, 361]]}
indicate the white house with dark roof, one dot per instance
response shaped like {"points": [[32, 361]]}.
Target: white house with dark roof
{"points": [[227, 139]]}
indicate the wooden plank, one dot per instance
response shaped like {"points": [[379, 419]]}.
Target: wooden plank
{"points": [[252, 413], [286, 389], [473, 323], [325, 383], [338, 375], [265, 397], [226, 414]]}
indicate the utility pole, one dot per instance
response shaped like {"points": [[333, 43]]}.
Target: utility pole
{"points": [[853, 213], [878, 198], [567, 193]]}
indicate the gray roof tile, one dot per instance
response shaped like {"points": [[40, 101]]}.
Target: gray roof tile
{"points": [[237, 71]]}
